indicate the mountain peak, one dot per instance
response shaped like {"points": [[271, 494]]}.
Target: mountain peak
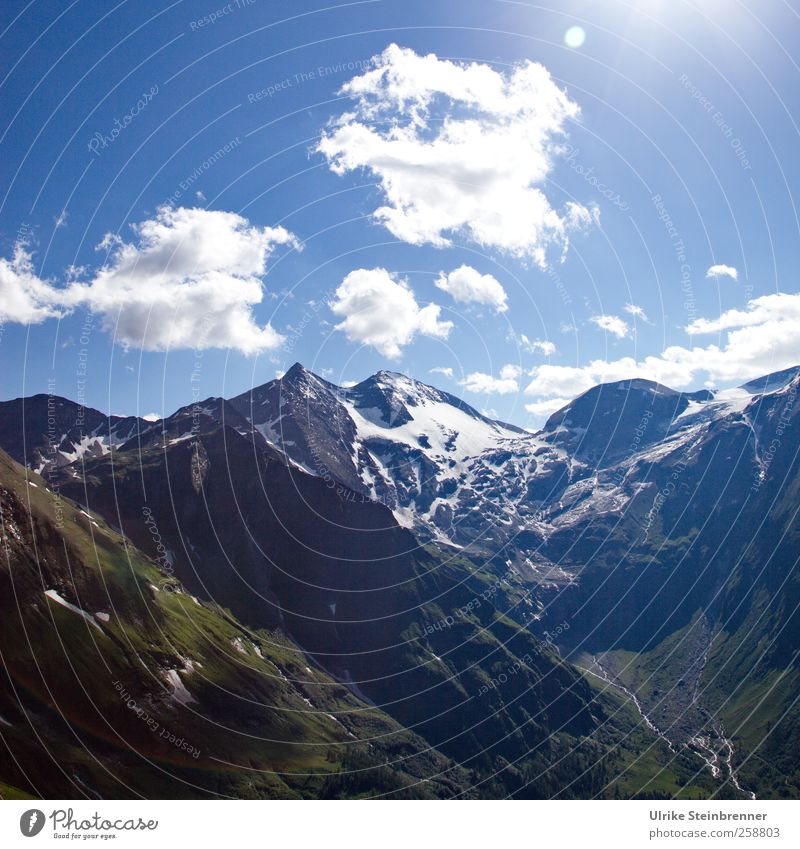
{"points": [[609, 420], [296, 371], [389, 376]]}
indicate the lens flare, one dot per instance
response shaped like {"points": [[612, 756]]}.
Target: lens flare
{"points": [[574, 37]]}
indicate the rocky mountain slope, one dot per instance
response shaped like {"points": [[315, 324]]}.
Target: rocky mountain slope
{"points": [[47, 431], [409, 629], [117, 683], [416, 551]]}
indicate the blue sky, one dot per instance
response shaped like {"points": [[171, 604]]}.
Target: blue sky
{"points": [[525, 217]]}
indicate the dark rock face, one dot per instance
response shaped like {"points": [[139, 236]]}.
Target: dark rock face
{"points": [[302, 417], [47, 431], [612, 421]]}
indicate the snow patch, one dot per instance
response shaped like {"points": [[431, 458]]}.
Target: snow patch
{"points": [[54, 595], [178, 689]]}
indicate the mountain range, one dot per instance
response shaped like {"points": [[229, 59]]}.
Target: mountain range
{"points": [[377, 590]]}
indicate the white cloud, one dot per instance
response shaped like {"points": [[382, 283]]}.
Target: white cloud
{"points": [[24, 297], [190, 280], [458, 149], [510, 371], [637, 312], [612, 324], [765, 310], [549, 380], [761, 339], [382, 311], [537, 346], [468, 286], [151, 417], [347, 384], [446, 371], [543, 409], [505, 384], [723, 271]]}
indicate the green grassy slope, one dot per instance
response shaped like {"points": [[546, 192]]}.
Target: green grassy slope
{"points": [[92, 708]]}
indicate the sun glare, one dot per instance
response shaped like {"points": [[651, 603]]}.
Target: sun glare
{"points": [[574, 37]]}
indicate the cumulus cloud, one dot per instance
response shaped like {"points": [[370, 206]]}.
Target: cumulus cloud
{"points": [[458, 149], [506, 383], [189, 280], [468, 286], [758, 340], [382, 311], [723, 271], [24, 297], [445, 371], [612, 324]]}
